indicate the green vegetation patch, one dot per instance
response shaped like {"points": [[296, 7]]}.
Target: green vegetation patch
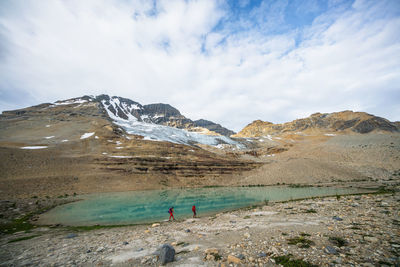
{"points": [[23, 238], [304, 234], [299, 185], [287, 261], [20, 224], [301, 242]]}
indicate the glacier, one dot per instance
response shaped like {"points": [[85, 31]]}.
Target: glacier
{"points": [[156, 132]]}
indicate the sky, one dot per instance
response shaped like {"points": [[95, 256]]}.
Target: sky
{"points": [[231, 62]]}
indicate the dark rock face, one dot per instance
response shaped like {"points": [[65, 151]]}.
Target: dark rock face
{"points": [[213, 127], [164, 109], [375, 123], [167, 254]]}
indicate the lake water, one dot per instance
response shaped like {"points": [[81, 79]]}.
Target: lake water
{"points": [[151, 206]]}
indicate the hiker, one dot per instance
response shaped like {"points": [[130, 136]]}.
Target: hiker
{"points": [[194, 211], [171, 213]]}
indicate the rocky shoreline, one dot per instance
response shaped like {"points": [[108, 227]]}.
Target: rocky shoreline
{"points": [[361, 230]]}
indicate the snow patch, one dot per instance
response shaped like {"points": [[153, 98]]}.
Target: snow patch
{"points": [[49, 137], [65, 140], [119, 147], [328, 134], [33, 147], [69, 102], [104, 153], [48, 125], [96, 137], [86, 135], [121, 157]]}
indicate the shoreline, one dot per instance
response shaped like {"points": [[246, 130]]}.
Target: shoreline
{"points": [[259, 234], [31, 216], [48, 222]]}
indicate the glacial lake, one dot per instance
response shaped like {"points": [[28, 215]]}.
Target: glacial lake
{"points": [[151, 206]]}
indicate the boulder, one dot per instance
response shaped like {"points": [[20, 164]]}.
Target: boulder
{"points": [[167, 254]]}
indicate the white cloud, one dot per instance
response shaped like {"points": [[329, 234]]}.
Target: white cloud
{"points": [[170, 52]]}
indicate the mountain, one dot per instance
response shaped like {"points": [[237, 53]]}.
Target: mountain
{"points": [[162, 114], [100, 144], [328, 123], [217, 128]]}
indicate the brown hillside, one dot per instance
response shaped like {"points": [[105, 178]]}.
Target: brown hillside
{"points": [[337, 122]]}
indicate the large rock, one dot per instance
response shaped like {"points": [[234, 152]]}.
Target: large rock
{"points": [[167, 254]]}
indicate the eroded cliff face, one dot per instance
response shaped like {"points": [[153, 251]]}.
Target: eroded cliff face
{"points": [[318, 123]]}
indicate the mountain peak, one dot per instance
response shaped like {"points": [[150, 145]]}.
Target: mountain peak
{"points": [[344, 121]]}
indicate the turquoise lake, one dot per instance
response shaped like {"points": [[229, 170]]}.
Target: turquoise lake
{"points": [[151, 206]]}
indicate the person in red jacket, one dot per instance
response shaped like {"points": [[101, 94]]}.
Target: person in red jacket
{"points": [[194, 211], [171, 213]]}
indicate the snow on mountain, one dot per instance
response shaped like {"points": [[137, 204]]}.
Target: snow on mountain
{"points": [[129, 115]]}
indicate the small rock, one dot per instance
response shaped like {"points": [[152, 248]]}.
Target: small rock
{"points": [[251, 259], [371, 239], [210, 257], [261, 255], [147, 231], [100, 249], [330, 250], [155, 225], [211, 251], [187, 230], [167, 254], [72, 235], [233, 259], [336, 218], [88, 251], [241, 256], [125, 243]]}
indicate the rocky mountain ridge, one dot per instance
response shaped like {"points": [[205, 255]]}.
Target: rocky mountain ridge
{"points": [[322, 123], [159, 113]]}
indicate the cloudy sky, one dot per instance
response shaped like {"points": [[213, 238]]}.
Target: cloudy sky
{"points": [[230, 61]]}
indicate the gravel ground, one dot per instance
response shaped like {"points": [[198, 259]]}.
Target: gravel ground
{"points": [[346, 231]]}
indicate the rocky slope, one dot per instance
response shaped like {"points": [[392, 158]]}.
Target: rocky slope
{"points": [[318, 123], [102, 144]]}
